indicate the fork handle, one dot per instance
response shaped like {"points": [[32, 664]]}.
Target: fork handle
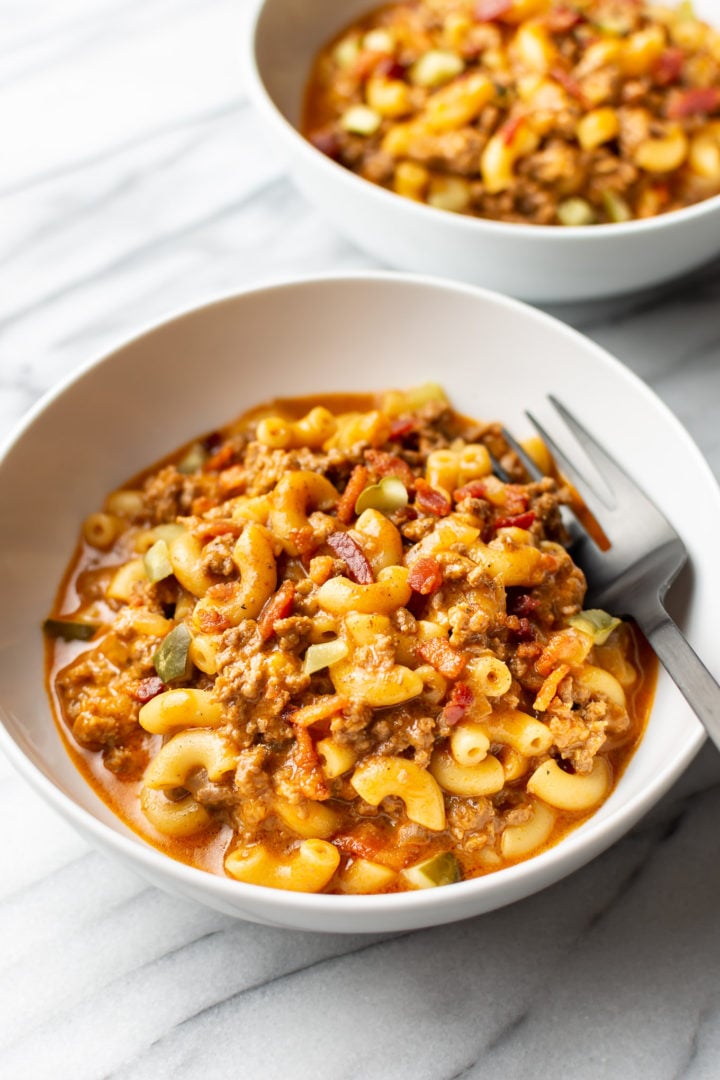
{"points": [[687, 671]]}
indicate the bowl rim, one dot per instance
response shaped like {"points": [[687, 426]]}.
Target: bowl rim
{"points": [[439, 905], [565, 235]]}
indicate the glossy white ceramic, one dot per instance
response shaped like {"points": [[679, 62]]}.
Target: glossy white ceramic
{"points": [[494, 355], [534, 262]]}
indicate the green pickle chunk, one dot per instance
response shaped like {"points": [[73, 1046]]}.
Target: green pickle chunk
{"points": [[440, 869], [157, 561], [172, 659], [69, 629]]}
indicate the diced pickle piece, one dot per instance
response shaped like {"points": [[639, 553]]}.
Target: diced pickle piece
{"points": [[387, 496], [69, 629], [576, 212], [442, 869], [595, 622], [157, 561], [172, 660], [361, 120]]}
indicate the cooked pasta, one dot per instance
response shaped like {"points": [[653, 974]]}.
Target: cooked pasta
{"points": [[327, 649], [532, 111]]}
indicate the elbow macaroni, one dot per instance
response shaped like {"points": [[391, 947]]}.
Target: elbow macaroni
{"points": [[342, 701]]}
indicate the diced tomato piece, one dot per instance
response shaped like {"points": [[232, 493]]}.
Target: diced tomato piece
{"points": [[428, 500], [277, 607], [425, 576], [441, 655], [148, 688], [359, 569], [357, 483], [516, 521], [461, 698], [701, 99]]}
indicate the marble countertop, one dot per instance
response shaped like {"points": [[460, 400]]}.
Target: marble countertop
{"points": [[135, 179]]}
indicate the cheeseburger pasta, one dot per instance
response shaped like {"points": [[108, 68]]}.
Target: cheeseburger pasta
{"points": [[539, 111], [328, 649]]}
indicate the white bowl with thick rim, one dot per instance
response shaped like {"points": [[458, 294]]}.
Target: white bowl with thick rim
{"points": [[199, 370], [540, 263]]}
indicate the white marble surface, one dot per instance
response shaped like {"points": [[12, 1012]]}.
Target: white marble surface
{"points": [[135, 179]]}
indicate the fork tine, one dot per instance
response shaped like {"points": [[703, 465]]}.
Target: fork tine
{"points": [[616, 479], [595, 504], [530, 467]]}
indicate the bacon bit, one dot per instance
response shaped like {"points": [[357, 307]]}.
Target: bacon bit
{"points": [[390, 68], [474, 490], [320, 709], [520, 629], [359, 569], [668, 66], [222, 527], [232, 481], [460, 701], [568, 83], [549, 687], [521, 604], [308, 773], [212, 621], [211, 442], [441, 655], [345, 510], [425, 576], [428, 500], [381, 463], [517, 521], [327, 143], [220, 459], [702, 99], [510, 129], [202, 504], [360, 846], [489, 10], [277, 607], [561, 19], [148, 688], [400, 428]]}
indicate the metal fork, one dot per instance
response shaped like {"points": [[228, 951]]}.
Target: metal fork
{"points": [[644, 558]]}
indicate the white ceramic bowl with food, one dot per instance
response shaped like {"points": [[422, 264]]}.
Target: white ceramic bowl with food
{"points": [[539, 263], [495, 358]]}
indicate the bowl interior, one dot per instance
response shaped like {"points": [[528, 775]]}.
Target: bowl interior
{"points": [[494, 356]]}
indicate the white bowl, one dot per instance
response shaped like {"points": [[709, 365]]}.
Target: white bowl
{"points": [[495, 356], [541, 263]]}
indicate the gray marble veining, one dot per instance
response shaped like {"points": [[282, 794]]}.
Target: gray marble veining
{"points": [[135, 180]]}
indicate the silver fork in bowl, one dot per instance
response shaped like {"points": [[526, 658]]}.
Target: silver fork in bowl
{"points": [[633, 575]]}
